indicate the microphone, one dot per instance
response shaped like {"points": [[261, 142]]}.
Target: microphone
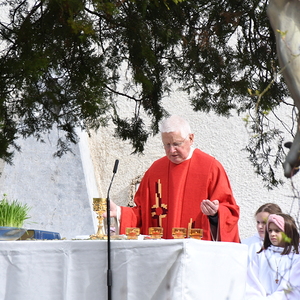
{"points": [[114, 173], [116, 166], [109, 272]]}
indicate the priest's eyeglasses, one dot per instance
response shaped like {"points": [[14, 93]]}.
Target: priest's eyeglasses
{"points": [[175, 145]]}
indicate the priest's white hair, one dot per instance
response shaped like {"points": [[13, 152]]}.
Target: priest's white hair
{"points": [[175, 123]]}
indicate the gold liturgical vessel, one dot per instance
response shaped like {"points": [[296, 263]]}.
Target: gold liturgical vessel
{"points": [[99, 206]]}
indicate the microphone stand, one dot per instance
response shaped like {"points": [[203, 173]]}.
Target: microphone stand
{"points": [[109, 272]]}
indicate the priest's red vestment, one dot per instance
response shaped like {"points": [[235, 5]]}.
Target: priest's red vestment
{"points": [[183, 187]]}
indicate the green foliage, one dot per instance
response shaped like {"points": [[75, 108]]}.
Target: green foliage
{"points": [[68, 62], [285, 238], [13, 214]]}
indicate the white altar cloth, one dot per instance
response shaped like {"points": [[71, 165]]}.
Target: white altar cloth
{"points": [[141, 270]]}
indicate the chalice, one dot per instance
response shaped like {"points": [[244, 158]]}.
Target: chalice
{"points": [[99, 206]]}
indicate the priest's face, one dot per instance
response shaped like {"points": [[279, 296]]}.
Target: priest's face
{"points": [[177, 148]]}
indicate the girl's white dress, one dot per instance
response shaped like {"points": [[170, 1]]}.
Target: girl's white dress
{"points": [[254, 244], [253, 240], [273, 276]]}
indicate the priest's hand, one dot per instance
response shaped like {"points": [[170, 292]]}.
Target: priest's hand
{"points": [[113, 210], [209, 208]]}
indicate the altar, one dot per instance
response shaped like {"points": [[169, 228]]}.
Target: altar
{"points": [[184, 269]]}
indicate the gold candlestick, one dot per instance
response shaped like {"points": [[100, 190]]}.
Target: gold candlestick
{"points": [[99, 206]]}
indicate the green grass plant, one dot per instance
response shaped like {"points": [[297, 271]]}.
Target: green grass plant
{"points": [[13, 213]]}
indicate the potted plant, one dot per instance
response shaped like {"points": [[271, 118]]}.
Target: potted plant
{"points": [[12, 217]]}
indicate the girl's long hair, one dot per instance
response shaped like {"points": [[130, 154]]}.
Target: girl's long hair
{"points": [[270, 208], [290, 236]]}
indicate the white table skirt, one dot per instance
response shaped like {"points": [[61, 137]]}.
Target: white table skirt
{"points": [[141, 270]]}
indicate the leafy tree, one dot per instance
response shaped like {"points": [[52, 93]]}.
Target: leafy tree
{"points": [[62, 62]]}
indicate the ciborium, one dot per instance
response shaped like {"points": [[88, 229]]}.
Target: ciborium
{"points": [[99, 206]]}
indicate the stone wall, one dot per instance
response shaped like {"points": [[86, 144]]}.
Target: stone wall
{"points": [[57, 189]]}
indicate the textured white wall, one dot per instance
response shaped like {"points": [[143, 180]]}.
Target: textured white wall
{"points": [[220, 137], [60, 191]]}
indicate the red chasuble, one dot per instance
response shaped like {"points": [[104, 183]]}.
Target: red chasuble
{"points": [[183, 187]]}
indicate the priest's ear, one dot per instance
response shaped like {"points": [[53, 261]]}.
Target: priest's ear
{"points": [[191, 138]]}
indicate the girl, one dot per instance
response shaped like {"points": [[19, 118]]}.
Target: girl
{"points": [[274, 273], [261, 217], [255, 242]]}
